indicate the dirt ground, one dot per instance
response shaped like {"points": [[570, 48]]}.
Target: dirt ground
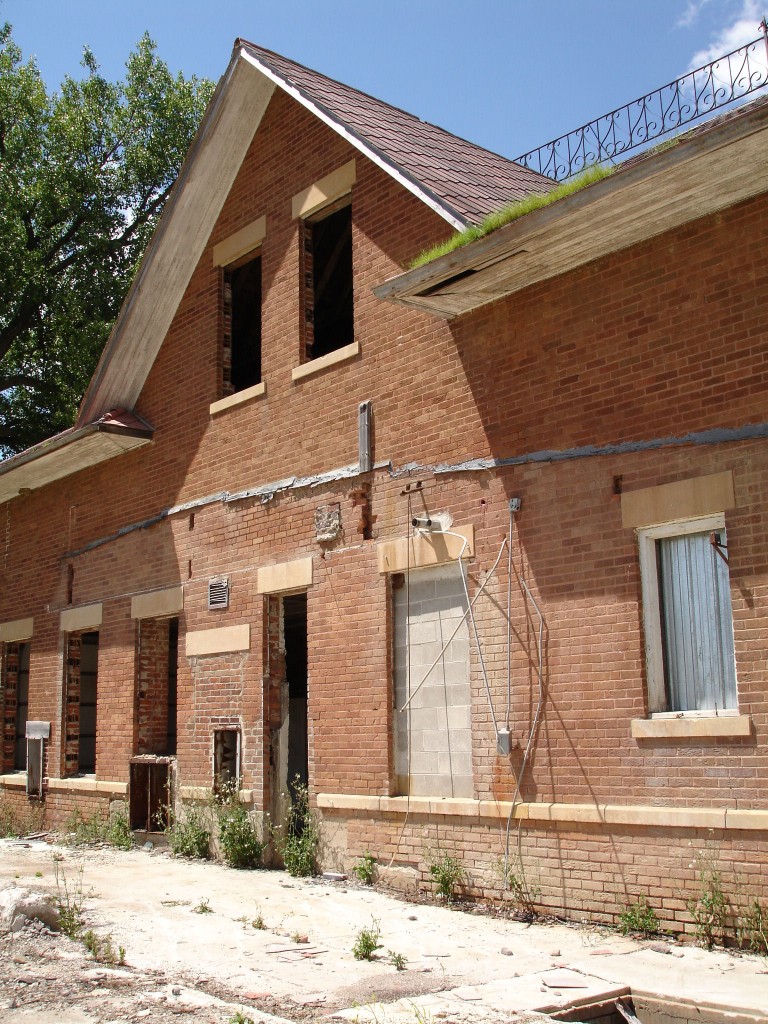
{"points": [[205, 942]]}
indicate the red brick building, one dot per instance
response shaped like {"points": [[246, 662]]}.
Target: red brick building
{"points": [[478, 550]]}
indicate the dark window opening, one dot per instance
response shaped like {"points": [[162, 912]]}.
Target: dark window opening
{"points": [[89, 660], [173, 672], [328, 268], [22, 707], [242, 306], [226, 758]]}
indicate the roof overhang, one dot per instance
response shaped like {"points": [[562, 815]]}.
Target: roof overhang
{"points": [[205, 179], [71, 451], [717, 166]]}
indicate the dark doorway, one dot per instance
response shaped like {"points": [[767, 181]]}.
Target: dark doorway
{"points": [[295, 631], [89, 663]]}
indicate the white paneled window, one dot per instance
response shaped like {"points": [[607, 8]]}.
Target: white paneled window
{"points": [[688, 617]]}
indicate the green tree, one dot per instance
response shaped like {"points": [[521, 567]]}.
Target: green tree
{"points": [[84, 175]]}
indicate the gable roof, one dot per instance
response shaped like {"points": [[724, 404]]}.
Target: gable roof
{"points": [[465, 180], [459, 181]]}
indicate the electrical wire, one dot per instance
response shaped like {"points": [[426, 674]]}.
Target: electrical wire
{"points": [[536, 717], [460, 623]]}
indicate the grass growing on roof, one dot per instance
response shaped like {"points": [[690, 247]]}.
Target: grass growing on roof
{"points": [[512, 212]]}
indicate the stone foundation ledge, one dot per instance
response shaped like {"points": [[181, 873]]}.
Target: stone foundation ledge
{"points": [[204, 793], [603, 814], [97, 787]]}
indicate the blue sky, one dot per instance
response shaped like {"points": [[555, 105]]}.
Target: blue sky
{"points": [[508, 74]]}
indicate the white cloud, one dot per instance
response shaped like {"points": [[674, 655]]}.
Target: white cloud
{"points": [[743, 29], [691, 13]]}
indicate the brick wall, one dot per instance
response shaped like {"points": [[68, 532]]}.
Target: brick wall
{"points": [[644, 345]]}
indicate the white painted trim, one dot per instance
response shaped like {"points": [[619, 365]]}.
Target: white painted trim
{"points": [[239, 398], [393, 171], [313, 366], [646, 539]]}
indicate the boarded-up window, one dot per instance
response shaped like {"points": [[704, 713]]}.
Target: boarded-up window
{"points": [[433, 755]]}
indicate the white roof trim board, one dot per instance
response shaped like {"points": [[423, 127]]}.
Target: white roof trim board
{"points": [[426, 195]]}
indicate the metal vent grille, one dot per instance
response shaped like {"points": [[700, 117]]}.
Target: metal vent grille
{"points": [[218, 592]]}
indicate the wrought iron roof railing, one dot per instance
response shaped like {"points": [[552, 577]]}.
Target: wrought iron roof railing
{"points": [[636, 124]]}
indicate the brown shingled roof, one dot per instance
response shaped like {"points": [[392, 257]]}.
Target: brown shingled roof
{"points": [[466, 180]]}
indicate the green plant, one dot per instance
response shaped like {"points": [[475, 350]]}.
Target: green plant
{"points": [[639, 917], [365, 869], [523, 892], [115, 829], [69, 900], [189, 834], [15, 823], [754, 928], [240, 844], [397, 960], [38, 874], [101, 948], [299, 838], [513, 212], [446, 872], [710, 909], [240, 1018], [203, 907], [258, 922], [367, 941]]}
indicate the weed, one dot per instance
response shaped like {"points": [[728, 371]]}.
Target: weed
{"points": [[240, 1018], [238, 838], [754, 928], [101, 949], [259, 923], [189, 834], [15, 823], [512, 212], [710, 909], [367, 941], [447, 873], [515, 881], [115, 830], [38, 874], [300, 837], [639, 917], [421, 1014], [397, 960], [365, 869], [69, 901], [203, 907], [299, 938]]}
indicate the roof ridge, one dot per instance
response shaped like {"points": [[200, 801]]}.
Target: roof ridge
{"points": [[369, 96]]}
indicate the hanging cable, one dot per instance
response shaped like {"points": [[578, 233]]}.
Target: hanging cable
{"points": [[460, 623], [536, 717]]}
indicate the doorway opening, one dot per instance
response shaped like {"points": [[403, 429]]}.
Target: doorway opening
{"points": [[295, 632]]}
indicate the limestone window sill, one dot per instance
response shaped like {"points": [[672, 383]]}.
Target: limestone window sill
{"points": [[684, 727], [341, 355], [239, 398]]}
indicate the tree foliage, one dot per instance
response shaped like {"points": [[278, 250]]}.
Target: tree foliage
{"points": [[84, 175]]}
